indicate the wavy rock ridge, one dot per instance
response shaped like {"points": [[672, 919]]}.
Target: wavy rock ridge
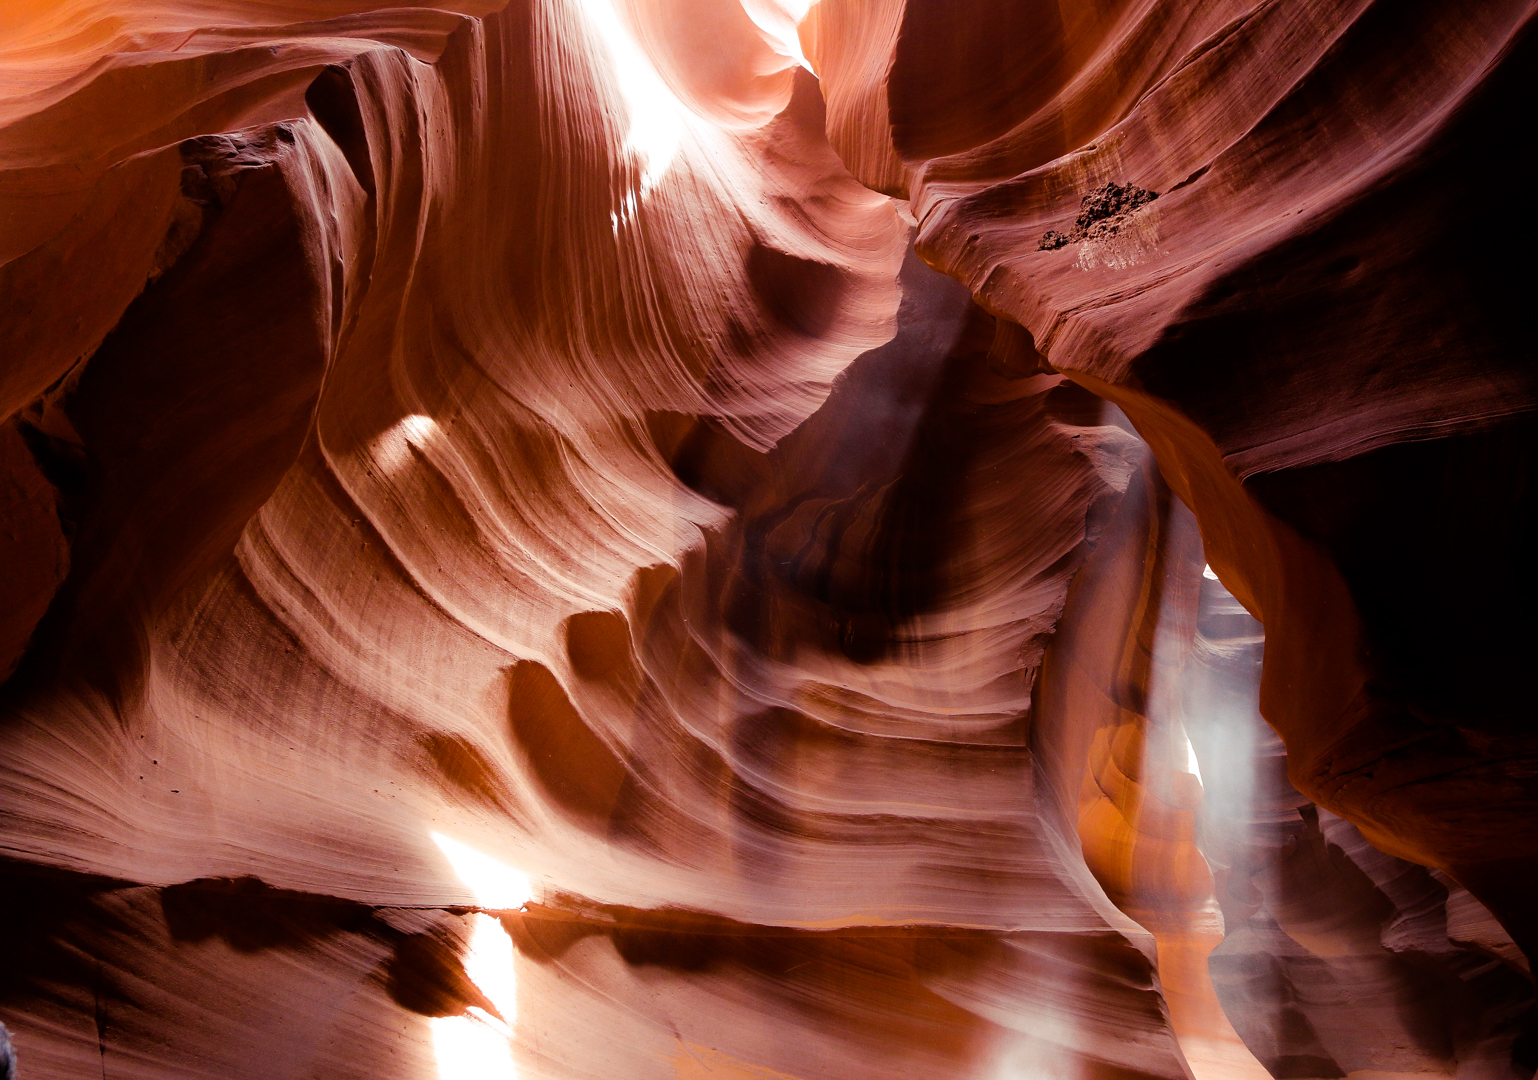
{"points": [[548, 540]]}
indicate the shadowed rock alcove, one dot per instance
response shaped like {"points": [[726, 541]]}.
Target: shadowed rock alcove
{"points": [[642, 540]]}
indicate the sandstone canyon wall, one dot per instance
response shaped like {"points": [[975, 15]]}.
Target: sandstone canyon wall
{"points": [[634, 539]]}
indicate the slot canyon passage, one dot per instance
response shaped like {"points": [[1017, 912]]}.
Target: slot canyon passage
{"points": [[693, 539]]}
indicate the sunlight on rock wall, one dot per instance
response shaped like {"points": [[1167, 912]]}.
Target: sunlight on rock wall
{"points": [[666, 539]]}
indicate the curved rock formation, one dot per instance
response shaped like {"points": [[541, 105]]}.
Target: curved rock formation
{"points": [[1328, 368], [548, 540]]}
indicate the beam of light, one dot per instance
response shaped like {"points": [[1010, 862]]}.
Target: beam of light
{"points": [[497, 887], [477, 1045], [472, 1047], [1047, 1051], [656, 116], [1208, 574]]}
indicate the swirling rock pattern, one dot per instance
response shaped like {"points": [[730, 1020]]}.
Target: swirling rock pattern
{"points": [[547, 540], [1327, 370]]}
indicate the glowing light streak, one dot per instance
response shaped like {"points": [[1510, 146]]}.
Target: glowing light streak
{"points": [[477, 1045], [496, 886], [1191, 766], [468, 1048], [656, 116]]}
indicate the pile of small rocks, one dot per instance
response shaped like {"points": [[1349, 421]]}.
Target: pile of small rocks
{"points": [[1101, 213]]}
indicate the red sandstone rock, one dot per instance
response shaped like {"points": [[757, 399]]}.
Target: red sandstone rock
{"points": [[518, 565], [1300, 326]]}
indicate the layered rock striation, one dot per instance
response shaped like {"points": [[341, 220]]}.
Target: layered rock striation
{"points": [[548, 540], [1330, 374]]}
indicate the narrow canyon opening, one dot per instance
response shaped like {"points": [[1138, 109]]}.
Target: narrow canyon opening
{"points": [[644, 540]]}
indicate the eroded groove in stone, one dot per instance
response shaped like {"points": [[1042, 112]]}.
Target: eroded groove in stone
{"points": [[545, 539]]}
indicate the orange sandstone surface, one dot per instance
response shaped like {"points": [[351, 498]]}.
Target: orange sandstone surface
{"points": [[661, 540]]}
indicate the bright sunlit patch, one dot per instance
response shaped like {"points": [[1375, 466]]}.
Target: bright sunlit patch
{"points": [[393, 448], [416, 426], [496, 886], [1039, 1048], [1191, 766], [478, 1044], [779, 20], [1208, 574], [656, 115], [471, 1048]]}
